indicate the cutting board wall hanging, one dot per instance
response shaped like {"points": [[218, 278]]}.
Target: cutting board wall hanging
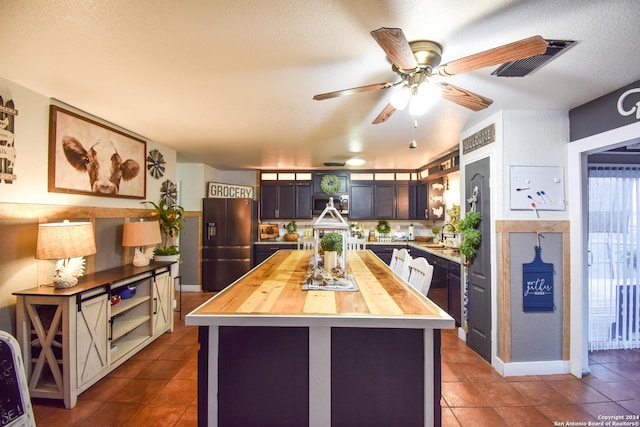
{"points": [[537, 284]]}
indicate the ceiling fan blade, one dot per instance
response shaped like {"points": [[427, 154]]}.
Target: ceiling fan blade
{"points": [[384, 114], [395, 45], [463, 97], [353, 90], [532, 46]]}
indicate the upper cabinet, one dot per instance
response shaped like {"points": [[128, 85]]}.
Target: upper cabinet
{"points": [[372, 195], [383, 195], [285, 195]]}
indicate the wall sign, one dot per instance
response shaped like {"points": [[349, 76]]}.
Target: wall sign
{"points": [[616, 109], [15, 404], [8, 115], [479, 139], [537, 285], [231, 191]]}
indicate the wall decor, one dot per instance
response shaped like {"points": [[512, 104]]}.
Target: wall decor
{"points": [[169, 192], [87, 157], [220, 190], [8, 115], [155, 164]]}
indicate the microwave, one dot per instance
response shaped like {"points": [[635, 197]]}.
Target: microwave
{"points": [[341, 203]]}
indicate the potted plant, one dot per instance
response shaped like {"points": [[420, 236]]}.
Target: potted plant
{"points": [[171, 222], [331, 244], [292, 232], [436, 233]]}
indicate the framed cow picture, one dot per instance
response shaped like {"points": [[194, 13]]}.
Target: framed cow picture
{"points": [[87, 157]]}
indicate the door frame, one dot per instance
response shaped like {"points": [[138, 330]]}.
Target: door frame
{"points": [[578, 209]]}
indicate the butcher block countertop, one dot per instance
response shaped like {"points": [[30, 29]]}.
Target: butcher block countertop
{"points": [[271, 295]]}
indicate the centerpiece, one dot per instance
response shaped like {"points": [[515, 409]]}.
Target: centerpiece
{"points": [[329, 272]]}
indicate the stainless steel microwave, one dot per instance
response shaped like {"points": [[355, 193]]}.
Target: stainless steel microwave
{"points": [[341, 203]]}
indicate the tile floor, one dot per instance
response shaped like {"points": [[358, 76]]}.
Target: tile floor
{"points": [[158, 387]]}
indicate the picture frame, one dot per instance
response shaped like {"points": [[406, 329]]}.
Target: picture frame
{"points": [[91, 158]]}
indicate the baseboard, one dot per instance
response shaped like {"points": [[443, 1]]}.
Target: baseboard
{"points": [[189, 288], [550, 367], [462, 334]]}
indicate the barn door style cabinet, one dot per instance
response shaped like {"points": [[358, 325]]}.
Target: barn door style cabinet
{"points": [[71, 338]]}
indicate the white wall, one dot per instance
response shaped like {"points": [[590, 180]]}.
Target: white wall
{"points": [[193, 180], [523, 138]]}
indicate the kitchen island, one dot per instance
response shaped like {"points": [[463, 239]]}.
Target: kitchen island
{"points": [[273, 354]]}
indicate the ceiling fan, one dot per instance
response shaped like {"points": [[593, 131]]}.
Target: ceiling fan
{"points": [[415, 62]]}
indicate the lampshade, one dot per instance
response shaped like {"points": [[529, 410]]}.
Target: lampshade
{"points": [[400, 98], [65, 240], [424, 96], [142, 233]]}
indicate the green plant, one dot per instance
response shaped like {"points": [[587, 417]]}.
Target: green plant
{"points": [[435, 231], [472, 237], [331, 242], [383, 227], [330, 184], [291, 227], [171, 222], [453, 226]]}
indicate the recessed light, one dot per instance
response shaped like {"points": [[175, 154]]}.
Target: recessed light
{"points": [[355, 162]]}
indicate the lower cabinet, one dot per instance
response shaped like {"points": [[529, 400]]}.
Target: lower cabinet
{"points": [[262, 251], [71, 338], [446, 286], [385, 252]]}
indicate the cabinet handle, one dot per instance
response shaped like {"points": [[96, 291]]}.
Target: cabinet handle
{"points": [[155, 306], [111, 329]]}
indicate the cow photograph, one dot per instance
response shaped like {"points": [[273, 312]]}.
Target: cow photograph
{"points": [[87, 157]]}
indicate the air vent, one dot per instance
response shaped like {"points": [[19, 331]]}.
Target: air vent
{"points": [[524, 67], [333, 164]]}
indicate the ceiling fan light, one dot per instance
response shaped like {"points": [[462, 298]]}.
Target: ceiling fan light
{"points": [[400, 98], [423, 98]]}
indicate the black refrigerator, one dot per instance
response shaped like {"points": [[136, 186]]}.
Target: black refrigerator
{"points": [[229, 230]]}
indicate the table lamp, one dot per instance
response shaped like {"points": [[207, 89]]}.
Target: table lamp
{"points": [[140, 234], [67, 242]]}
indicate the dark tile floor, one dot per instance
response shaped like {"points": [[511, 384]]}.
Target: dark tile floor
{"points": [[158, 387]]}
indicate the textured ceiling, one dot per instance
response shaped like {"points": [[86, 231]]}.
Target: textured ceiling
{"points": [[230, 83]]}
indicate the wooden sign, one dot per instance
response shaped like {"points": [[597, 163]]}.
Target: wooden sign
{"points": [[479, 139], [15, 404], [8, 115], [229, 191], [537, 285]]}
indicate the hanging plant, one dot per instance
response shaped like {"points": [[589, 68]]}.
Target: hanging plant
{"points": [[472, 236], [330, 184]]}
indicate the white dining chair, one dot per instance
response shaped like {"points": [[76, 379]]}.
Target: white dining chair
{"points": [[394, 259], [401, 266], [420, 275], [355, 244], [305, 243]]}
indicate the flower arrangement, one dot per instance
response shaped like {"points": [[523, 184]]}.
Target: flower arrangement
{"points": [[171, 222]]}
